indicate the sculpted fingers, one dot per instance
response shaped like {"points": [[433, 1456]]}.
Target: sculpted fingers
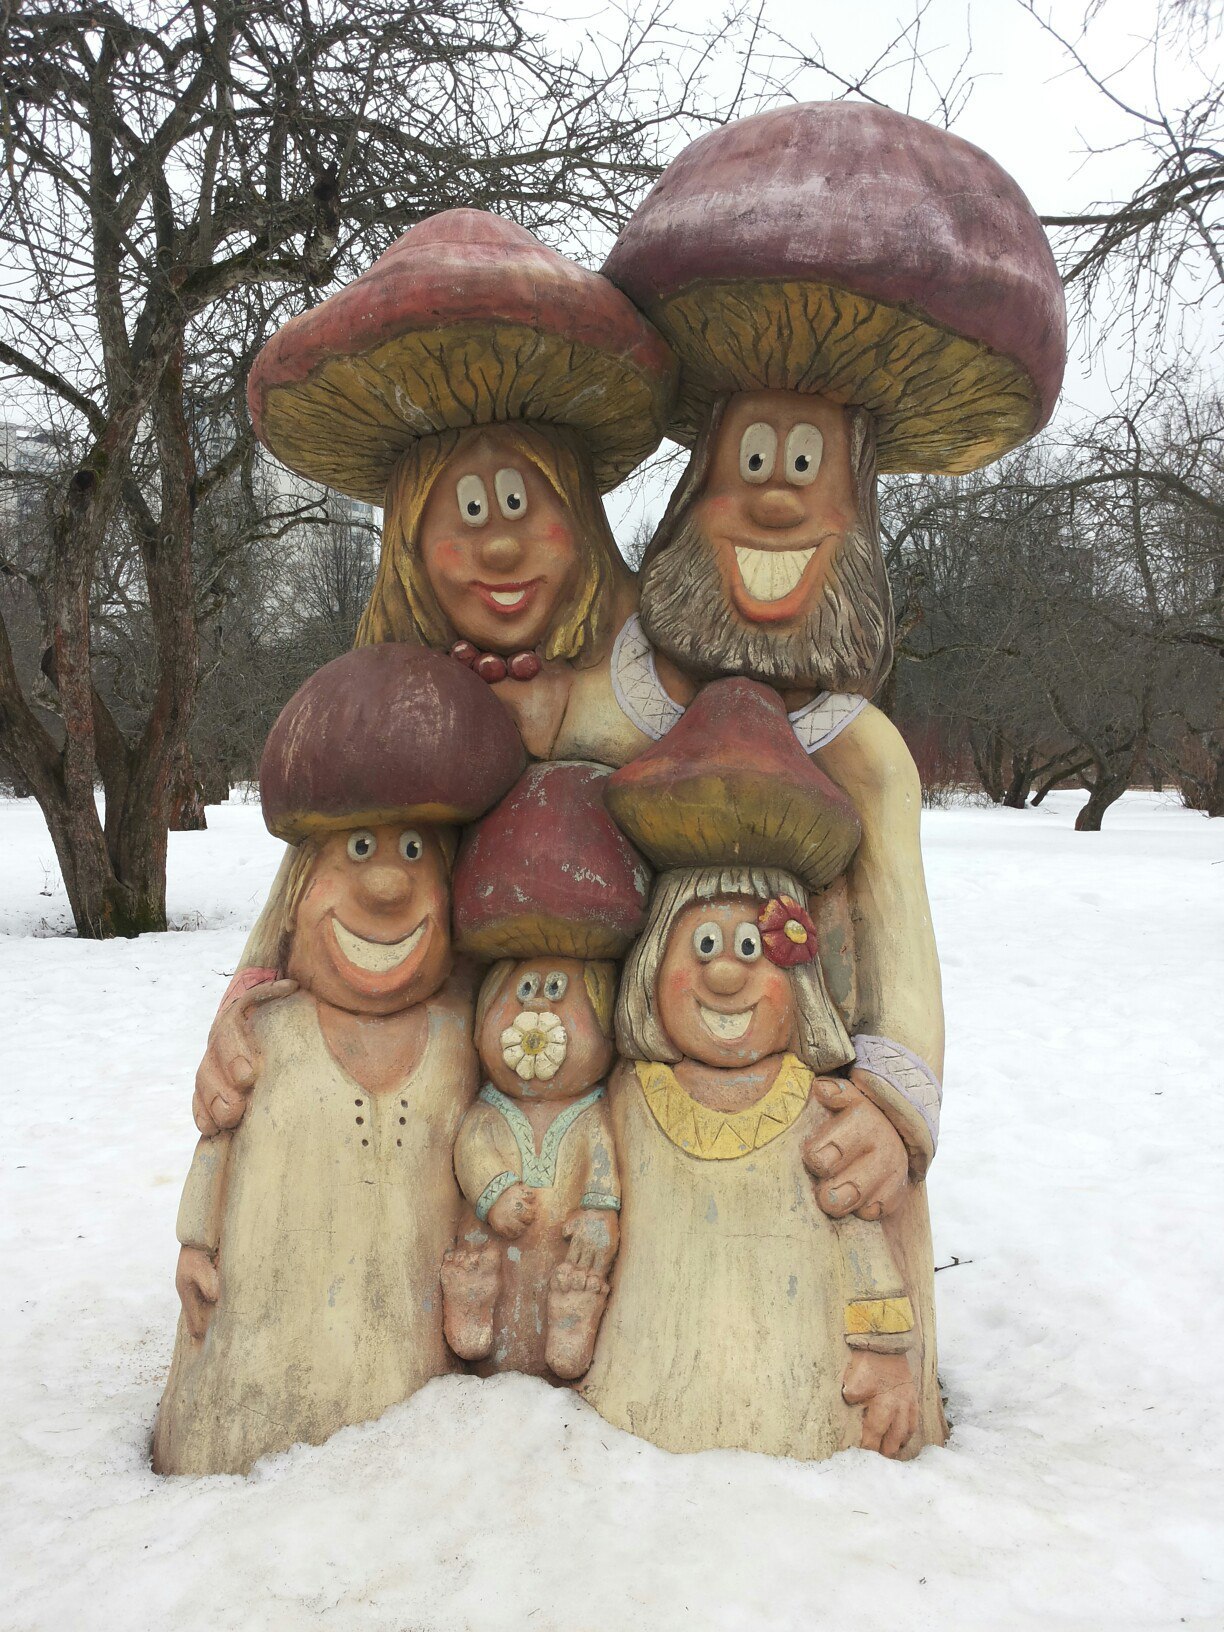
{"points": [[200, 1111], [843, 1138]]}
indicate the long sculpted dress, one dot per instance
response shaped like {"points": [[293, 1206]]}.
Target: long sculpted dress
{"points": [[736, 1301], [333, 1207]]}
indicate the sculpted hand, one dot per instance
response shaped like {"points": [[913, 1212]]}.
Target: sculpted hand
{"points": [[883, 1385], [231, 1061], [594, 1235], [198, 1285], [858, 1155], [513, 1211]]}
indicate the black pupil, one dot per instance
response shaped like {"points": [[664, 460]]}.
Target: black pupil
{"points": [[802, 462], [473, 507], [755, 462], [363, 846], [707, 943], [746, 946], [514, 501]]}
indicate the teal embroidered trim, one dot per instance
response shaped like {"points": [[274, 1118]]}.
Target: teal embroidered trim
{"points": [[539, 1168], [494, 1191], [601, 1198]]}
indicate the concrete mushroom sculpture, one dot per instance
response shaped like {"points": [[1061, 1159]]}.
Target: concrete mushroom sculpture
{"points": [[549, 887]]}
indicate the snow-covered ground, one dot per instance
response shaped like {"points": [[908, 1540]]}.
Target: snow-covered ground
{"points": [[1080, 1184]]}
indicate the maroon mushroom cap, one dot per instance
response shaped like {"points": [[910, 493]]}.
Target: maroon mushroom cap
{"points": [[548, 871], [841, 248], [729, 786], [466, 320], [384, 734]]}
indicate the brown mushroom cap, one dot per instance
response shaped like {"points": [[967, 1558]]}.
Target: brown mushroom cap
{"points": [[844, 249], [548, 871], [385, 734], [729, 786], [466, 320]]}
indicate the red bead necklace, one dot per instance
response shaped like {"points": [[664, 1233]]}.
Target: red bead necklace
{"points": [[489, 666]]}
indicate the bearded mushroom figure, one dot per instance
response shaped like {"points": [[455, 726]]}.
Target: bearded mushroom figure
{"points": [[550, 888], [846, 289], [311, 1236], [741, 1314]]}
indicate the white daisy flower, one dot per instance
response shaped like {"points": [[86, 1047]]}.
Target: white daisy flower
{"points": [[534, 1045]]}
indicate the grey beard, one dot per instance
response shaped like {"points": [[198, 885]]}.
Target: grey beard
{"points": [[843, 644]]}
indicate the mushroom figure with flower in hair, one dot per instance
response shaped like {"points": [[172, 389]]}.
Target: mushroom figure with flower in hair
{"points": [[550, 888], [741, 1314], [846, 289], [310, 1236]]}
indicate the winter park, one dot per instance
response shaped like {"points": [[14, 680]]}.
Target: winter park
{"points": [[611, 816]]}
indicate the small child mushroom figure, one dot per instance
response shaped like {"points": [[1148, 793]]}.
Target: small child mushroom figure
{"points": [[310, 1236], [551, 888]]}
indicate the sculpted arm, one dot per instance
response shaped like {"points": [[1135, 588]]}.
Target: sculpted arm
{"points": [[199, 1232], [594, 1230], [488, 1167], [898, 1022]]}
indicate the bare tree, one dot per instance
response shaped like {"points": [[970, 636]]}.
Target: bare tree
{"points": [[178, 177]]}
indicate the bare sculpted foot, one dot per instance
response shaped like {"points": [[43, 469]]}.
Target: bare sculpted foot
{"points": [[471, 1278], [576, 1301]]}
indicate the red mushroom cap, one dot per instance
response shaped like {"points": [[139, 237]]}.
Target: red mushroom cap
{"points": [[384, 734], [548, 871], [466, 320], [845, 249], [729, 786]]}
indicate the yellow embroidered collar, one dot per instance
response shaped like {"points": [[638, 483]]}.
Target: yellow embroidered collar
{"points": [[719, 1136]]}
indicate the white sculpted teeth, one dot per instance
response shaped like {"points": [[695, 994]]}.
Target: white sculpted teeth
{"points": [[377, 957], [507, 597], [768, 575], [729, 1027]]}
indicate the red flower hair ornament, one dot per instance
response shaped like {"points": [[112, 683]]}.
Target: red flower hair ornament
{"points": [[788, 935]]}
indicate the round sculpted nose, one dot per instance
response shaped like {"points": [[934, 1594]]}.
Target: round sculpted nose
{"points": [[776, 508], [502, 552], [725, 976], [380, 886]]}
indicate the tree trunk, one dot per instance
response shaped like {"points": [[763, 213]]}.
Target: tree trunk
{"points": [[187, 796], [1016, 796], [1106, 791]]}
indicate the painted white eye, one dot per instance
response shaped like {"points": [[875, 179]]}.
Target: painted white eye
{"points": [[804, 451], [361, 845], [473, 500], [758, 453], [555, 986], [748, 942], [511, 492], [411, 845], [707, 941], [527, 988]]}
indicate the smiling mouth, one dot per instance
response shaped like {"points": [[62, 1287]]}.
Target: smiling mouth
{"points": [[375, 957], [506, 598], [728, 1028], [771, 575]]}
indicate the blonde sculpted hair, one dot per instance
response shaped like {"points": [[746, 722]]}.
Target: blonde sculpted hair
{"points": [[823, 1040], [403, 606]]}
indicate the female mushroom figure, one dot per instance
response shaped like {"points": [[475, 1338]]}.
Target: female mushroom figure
{"points": [[549, 888], [741, 1314], [311, 1237], [485, 391], [844, 287]]}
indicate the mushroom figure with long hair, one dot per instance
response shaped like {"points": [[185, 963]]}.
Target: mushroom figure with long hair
{"points": [[485, 391], [846, 290], [310, 1237]]}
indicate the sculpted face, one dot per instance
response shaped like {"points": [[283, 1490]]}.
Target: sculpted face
{"points": [[770, 565], [778, 501], [720, 1000], [498, 545], [540, 1038], [372, 930]]}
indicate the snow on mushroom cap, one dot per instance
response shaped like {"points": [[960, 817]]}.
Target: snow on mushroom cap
{"points": [[383, 734], [465, 320], [849, 250]]}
